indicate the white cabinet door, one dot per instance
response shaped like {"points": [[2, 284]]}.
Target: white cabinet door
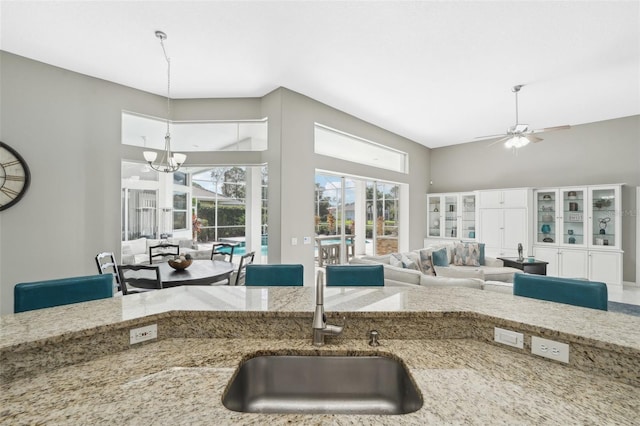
{"points": [[491, 230], [605, 267], [490, 199], [513, 198], [573, 264], [515, 230], [548, 254]]}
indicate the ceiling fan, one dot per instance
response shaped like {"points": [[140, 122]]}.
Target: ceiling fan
{"points": [[519, 135]]}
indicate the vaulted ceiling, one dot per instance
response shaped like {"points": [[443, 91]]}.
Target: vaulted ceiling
{"points": [[439, 73]]}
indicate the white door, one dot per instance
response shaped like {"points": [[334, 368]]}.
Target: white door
{"points": [[605, 267], [515, 231], [548, 254], [573, 264], [491, 230]]}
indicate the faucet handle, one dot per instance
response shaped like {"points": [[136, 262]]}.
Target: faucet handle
{"points": [[337, 329]]}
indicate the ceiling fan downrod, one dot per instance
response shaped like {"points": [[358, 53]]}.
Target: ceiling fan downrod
{"points": [[515, 90]]}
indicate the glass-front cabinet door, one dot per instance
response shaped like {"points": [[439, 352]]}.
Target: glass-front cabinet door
{"points": [[604, 226], [546, 214], [573, 216], [435, 211], [468, 208], [451, 216]]}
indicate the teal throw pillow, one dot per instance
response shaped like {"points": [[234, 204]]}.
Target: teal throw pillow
{"points": [[440, 257]]}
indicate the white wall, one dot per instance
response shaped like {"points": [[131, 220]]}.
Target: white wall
{"points": [[588, 154]]}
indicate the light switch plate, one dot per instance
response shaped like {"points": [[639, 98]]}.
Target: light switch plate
{"points": [[508, 337], [306, 240]]}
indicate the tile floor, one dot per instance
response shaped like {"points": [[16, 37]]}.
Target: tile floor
{"points": [[626, 294]]}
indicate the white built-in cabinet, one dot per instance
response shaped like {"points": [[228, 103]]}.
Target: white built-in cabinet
{"points": [[451, 216], [503, 221], [578, 231]]}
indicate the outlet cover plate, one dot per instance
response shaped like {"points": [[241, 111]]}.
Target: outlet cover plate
{"points": [[508, 337], [142, 334], [550, 349]]}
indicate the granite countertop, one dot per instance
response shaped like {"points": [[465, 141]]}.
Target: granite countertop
{"points": [[444, 335], [599, 326], [181, 381]]}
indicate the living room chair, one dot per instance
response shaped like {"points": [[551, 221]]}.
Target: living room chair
{"points": [[245, 260], [274, 275], [223, 251], [139, 278], [163, 250], [107, 264], [355, 275]]}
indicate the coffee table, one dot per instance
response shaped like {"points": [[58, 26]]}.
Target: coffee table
{"points": [[538, 267]]}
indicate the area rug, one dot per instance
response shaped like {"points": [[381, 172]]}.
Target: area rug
{"points": [[624, 308]]}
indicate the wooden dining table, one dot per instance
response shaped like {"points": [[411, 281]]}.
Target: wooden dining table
{"points": [[200, 272]]}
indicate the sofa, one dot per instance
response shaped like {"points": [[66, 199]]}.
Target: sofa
{"points": [[417, 268], [135, 252]]}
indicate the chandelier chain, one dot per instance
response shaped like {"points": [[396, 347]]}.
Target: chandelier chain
{"points": [[168, 59]]}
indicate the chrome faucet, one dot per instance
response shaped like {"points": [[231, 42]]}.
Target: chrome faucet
{"points": [[320, 326]]}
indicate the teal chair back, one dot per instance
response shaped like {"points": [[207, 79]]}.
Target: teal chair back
{"points": [[588, 294], [274, 275], [45, 294], [355, 275]]}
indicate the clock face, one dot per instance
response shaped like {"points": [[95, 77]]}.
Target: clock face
{"points": [[14, 176]]}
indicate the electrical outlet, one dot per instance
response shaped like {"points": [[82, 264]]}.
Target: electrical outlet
{"points": [[508, 337], [294, 241], [550, 349], [142, 334]]}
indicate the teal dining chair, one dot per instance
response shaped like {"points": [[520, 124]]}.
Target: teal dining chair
{"points": [[63, 291], [355, 275], [274, 275]]}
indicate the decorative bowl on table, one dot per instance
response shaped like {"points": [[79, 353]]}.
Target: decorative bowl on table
{"points": [[180, 262]]}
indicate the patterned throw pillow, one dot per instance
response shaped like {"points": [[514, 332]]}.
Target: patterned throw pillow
{"points": [[395, 259], [467, 254], [426, 263]]}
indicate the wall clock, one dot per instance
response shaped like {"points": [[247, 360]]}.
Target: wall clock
{"points": [[14, 176]]}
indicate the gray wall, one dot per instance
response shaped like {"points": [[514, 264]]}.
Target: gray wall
{"points": [[67, 127], [595, 153]]}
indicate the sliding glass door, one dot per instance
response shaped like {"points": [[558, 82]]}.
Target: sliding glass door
{"points": [[354, 216]]}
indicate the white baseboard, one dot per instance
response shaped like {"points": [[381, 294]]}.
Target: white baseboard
{"points": [[631, 284]]}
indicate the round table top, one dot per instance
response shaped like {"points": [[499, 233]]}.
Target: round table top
{"points": [[201, 272]]}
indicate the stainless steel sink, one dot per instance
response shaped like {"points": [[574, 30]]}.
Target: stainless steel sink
{"points": [[322, 384]]}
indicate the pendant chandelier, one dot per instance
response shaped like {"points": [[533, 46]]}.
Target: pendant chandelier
{"points": [[169, 161]]}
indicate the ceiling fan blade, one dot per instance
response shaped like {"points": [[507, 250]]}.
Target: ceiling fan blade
{"points": [[504, 139], [552, 129], [489, 136], [533, 138]]}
